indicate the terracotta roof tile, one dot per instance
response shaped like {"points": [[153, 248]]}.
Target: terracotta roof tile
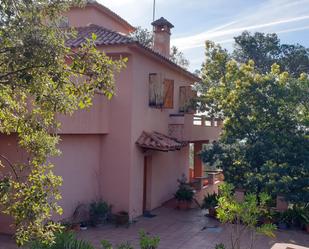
{"points": [[160, 142], [104, 36], [107, 37]]}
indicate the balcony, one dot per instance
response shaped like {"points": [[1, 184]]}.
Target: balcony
{"points": [[189, 127]]}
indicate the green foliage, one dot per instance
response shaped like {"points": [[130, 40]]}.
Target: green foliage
{"points": [[179, 58], [265, 50], [126, 245], [63, 240], [243, 215], [264, 146], [99, 212], [210, 201], [147, 242], [220, 246], [106, 244], [296, 216], [143, 36], [185, 191], [305, 218], [40, 78]]}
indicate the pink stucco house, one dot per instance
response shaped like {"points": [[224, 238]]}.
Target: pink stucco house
{"points": [[128, 151]]}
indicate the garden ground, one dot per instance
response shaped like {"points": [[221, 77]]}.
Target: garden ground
{"points": [[180, 230]]}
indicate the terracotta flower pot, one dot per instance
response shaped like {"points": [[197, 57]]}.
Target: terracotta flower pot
{"points": [[212, 212], [122, 218], [183, 205], [76, 227], [267, 221]]}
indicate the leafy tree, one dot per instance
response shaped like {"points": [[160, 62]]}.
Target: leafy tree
{"points": [[243, 216], [264, 146], [178, 58], [143, 36], [266, 49], [263, 49], [41, 77]]}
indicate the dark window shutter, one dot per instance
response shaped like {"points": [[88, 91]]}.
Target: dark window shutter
{"points": [[186, 94], [155, 91]]}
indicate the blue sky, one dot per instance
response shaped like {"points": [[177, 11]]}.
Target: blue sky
{"points": [[219, 20]]}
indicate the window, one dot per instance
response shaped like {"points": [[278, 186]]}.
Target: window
{"points": [[161, 92], [186, 94], [155, 91]]}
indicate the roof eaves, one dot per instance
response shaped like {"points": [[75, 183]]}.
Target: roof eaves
{"points": [[171, 63]]}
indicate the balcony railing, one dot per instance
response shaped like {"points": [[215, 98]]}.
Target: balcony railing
{"points": [[202, 120], [191, 127]]}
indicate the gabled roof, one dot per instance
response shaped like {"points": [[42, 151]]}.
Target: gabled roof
{"points": [[111, 14], [162, 22], [160, 142], [105, 37]]}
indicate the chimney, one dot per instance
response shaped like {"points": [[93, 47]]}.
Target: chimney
{"points": [[162, 36]]}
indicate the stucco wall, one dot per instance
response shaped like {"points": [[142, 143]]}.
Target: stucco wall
{"points": [[92, 120], [79, 165], [166, 167], [81, 17], [9, 149], [116, 147]]}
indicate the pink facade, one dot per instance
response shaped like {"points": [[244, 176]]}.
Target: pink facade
{"points": [[100, 158], [95, 13]]}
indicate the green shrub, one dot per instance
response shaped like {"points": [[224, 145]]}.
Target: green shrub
{"points": [[220, 246], [99, 212], [185, 192], [64, 240], [210, 201], [107, 245], [243, 215], [147, 242], [294, 217]]}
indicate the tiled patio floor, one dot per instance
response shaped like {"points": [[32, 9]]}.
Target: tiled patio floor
{"points": [[178, 230]]}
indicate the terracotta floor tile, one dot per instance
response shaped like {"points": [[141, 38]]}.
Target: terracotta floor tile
{"points": [[177, 230]]}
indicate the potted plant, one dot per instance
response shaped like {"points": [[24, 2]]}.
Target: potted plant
{"points": [[305, 220], [210, 202], [184, 195], [122, 218], [76, 227], [99, 212], [283, 222]]}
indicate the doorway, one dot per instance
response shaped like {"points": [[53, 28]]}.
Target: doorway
{"points": [[146, 183]]}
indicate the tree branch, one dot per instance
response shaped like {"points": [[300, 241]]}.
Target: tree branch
{"points": [[11, 165]]}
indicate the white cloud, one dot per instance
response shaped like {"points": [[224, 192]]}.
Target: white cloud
{"points": [[228, 21], [280, 16], [219, 33]]}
